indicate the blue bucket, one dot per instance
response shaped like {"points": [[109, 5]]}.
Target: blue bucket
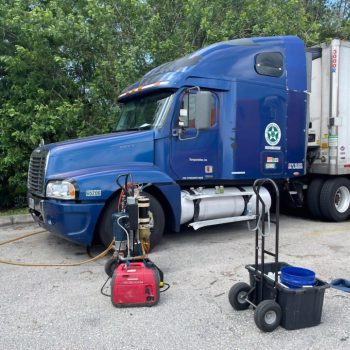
{"points": [[297, 277]]}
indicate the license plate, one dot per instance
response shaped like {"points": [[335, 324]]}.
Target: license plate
{"points": [[31, 203]]}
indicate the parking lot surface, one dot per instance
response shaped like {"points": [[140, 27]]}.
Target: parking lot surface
{"points": [[62, 308]]}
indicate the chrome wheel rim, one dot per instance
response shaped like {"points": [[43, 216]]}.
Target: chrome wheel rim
{"points": [[270, 317], [342, 199], [241, 297]]}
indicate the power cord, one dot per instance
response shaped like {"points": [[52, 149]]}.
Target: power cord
{"points": [[104, 284], [167, 285]]}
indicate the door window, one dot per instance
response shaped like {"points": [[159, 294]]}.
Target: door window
{"points": [[189, 116]]}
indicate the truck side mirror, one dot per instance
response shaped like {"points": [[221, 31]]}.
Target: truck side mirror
{"points": [[183, 118], [203, 103], [195, 114]]}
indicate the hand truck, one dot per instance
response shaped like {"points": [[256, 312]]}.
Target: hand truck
{"points": [[275, 303]]}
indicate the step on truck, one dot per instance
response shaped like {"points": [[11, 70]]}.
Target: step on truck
{"points": [[196, 132]]}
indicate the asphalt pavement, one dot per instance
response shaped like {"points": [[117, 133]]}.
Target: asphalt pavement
{"points": [[62, 308]]}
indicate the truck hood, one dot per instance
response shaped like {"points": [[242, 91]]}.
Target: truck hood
{"points": [[75, 156]]}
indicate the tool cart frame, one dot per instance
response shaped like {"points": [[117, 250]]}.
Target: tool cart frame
{"points": [[274, 303]]}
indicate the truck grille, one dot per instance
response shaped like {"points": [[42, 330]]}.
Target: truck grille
{"points": [[36, 172]]}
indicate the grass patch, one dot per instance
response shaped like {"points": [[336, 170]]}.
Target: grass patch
{"points": [[14, 211]]}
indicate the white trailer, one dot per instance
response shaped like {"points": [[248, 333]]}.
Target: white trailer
{"points": [[328, 154]]}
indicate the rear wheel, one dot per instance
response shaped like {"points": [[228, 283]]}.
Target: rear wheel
{"points": [[237, 296], [335, 199], [157, 221], [313, 198]]}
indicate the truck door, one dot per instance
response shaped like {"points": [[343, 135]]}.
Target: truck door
{"points": [[194, 144], [261, 120]]}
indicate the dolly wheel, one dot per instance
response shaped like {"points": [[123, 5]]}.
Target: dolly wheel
{"points": [[110, 266], [237, 296], [268, 315]]}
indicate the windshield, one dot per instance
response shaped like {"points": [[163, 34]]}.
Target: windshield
{"points": [[145, 112]]}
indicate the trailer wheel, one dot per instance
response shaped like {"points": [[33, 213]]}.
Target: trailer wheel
{"points": [[313, 197], [158, 221], [268, 315], [335, 199], [237, 296]]}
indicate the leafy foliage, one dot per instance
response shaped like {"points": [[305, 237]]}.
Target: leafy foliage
{"points": [[63, 62]]}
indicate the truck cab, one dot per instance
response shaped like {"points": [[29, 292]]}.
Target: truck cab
{"points": [[222, 116]]}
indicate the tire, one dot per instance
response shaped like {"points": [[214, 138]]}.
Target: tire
{"points": [[105, 226], [335, 199], [110, 266], [313, 198], [105, 223], [237, 295], [268, 315], [158, 220]]}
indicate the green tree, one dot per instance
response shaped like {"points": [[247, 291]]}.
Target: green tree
{"points": [[64, 62], [179, 27]]}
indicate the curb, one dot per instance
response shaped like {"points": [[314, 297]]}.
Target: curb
{"points": [[16, 219]]}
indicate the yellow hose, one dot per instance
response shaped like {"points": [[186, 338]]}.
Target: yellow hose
{"points": [[7, 262], [22, 237]]}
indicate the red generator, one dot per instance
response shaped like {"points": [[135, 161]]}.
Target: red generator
{"points": [[135, 284]]}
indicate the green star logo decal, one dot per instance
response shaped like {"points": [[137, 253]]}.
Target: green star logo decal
{"points": [[272, 134]]}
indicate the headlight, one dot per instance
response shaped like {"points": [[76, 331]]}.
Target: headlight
{"points": [[60, 190]]}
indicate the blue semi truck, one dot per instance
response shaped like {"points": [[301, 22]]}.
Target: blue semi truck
{"points": [[196, 133]]}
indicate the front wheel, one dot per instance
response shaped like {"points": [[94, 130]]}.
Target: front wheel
{"points": [[157, 221], [268, 315], [335, 199]]}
